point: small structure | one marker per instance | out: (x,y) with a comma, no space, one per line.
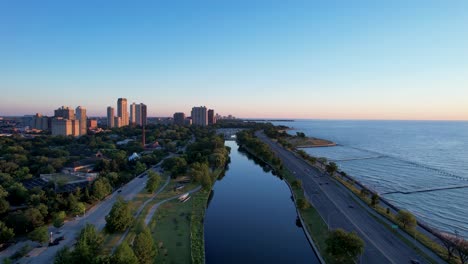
(134,156)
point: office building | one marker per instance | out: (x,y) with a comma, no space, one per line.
(211,117)
(122,111)
(82,120)
(118,121)
(179,118)
(38,121)
(110,117)
(199,116)
(65,112)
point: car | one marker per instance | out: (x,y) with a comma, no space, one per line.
(60,238)
(54,243)
(414,261)
(120,190)
(351,206)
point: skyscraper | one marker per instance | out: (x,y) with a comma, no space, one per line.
(110,117)
(211,117)
(179,118)
(133,114)
(199,116)
(82,118)
(142,114)
(65,112)
(122,111)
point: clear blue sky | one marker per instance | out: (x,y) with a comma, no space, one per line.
(298,59)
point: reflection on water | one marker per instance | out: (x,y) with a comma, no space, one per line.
(252,218)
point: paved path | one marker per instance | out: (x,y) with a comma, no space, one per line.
(95,216)
(141,209)
(153,209)
(336,206)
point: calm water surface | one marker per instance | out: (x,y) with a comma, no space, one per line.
(393,156)
(252,219)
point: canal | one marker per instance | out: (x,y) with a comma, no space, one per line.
(252,219)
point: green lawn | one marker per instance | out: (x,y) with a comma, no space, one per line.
(171,232)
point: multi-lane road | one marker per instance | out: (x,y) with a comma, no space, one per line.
(338,208)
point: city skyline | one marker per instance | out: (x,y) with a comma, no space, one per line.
(310,60)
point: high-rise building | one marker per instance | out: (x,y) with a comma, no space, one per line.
(133,114)
(82,120)
(118,121)
(65,127)
(65,112)
(92,123)
(179,118)
(122,110)
(211,117)
(141,114)
(199,116)
(40,122)
(110,117)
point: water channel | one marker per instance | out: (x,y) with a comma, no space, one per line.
(252,219)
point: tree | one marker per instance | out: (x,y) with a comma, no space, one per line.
(375,199)
(206,182)
(331,168)
(344,247)
(59,218)
(4,205)
(139,168)
(120,217)
(302,203)
(461,247)
(199,170)
(124,255)
(406,218)
(143,247)
(34,218)
(153,181)
(101,188)
(297,184)
(64,256)
(6,233)
(39,234)
(88,245)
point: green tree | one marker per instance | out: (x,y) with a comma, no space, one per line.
(199,170)
(344,247)
(6,233)
(34,218)
(4,205)
(39,234)
(302,203)
(375,199)
(331,168)
(88,245)
(143,247)
(101,188)
(64,256)
(153,181)
(206,182)
(59,218)
(120,217)
(297,184)
(124,255)
(407,219)
(139,168)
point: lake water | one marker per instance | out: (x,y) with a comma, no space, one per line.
(252,219)
(390,156)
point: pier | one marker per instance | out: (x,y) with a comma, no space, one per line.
(429,189)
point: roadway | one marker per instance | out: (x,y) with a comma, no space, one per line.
(96,216)
(336,206)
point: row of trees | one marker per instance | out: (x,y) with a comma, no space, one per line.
(247,139)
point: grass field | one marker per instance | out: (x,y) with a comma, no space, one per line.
(170,229)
